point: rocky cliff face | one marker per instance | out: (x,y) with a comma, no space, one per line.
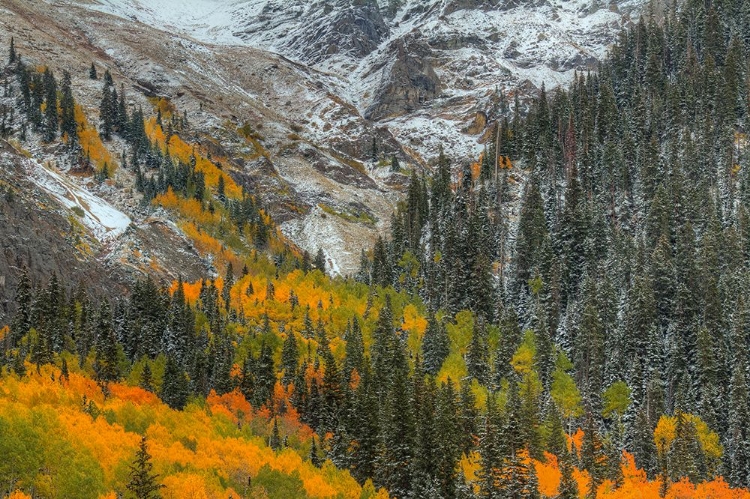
(321,30)
(407,82)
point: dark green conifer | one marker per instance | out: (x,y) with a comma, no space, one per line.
(174,386)
(12,52)
(143,482)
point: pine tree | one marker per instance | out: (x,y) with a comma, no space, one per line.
(532,230)
(106,362)
(220,190)
(320,260)
(226,290)
(22,320)
(174,386)
(314,456)
(354,358)
(684,452)
(737,457)
(477,358)
(490,453)
(50,109)
(68,125)
(448,430)
(147,382)
(568,486)
(289,358)
(64,372)
(394,463)
(363,427)
(92,72)
(12,53)
(274,441)
(435,345)
(143,482)
(106,110)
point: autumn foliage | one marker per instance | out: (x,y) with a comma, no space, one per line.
(91,143)
(635,484)
(67,439)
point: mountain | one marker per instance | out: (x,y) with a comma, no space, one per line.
(230,267)
(408,63)
(342,87)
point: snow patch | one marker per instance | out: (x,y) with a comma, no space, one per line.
(104,221)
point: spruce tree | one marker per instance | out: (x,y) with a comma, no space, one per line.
(737,456)
(64,372)
(174,386)
(314,456)
(274,440)
(220,190)
(106,362)
(568,486)
(289,358)
(106,110)
(354,358)
(477,358)
(435,345)
(22,320)
(320,260)
(50,109)
(12,52)
(143,482)
(146,381)
(68,125)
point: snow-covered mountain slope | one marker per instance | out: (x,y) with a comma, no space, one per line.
(295,93)
(105,221)
(423,68)
(285,132)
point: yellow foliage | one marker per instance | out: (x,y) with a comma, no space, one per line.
(504,162)
(548,475)
(17,494)
(523,359)
(583,480)
(91,143)
(470,466)
(190,208)
(575,441)
(664,433)
(196,452)
(181,150)
(666,429)
(414,324)
(187,486)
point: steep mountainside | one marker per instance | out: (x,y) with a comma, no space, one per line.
(423,68)
(354,85)
(311,102)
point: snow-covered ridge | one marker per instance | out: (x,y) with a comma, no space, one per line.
(519,36)
(475,47)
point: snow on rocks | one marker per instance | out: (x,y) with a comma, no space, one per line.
(105,221)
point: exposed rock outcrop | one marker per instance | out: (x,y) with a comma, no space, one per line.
(454,5)
(408,82)
(328,28)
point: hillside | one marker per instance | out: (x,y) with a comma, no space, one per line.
(336,102)
(420,68)
(203,295)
